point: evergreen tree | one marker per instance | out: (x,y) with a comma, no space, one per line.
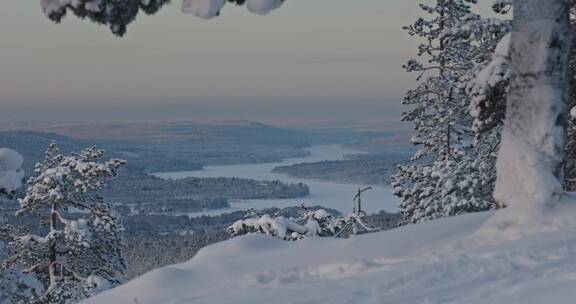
(80,254)
(117,15)
(453,171)
(436,116)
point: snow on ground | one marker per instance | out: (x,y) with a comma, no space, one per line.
(465,259)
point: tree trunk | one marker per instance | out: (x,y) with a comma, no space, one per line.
(570,162)
(530,163)
(52,248)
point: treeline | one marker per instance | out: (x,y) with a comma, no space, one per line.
(144,253)
(212,145)
(158,224)
(360,171)
(140,193)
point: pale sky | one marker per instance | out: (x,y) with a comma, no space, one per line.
(309,60)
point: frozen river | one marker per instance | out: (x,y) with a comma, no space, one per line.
(328,194)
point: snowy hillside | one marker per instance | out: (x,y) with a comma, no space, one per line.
(463,259)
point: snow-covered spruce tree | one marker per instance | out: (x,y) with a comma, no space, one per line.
(453,171)
(444,188)
(435,112)
(530,161)
(433,103)
(80,254)
(488,90)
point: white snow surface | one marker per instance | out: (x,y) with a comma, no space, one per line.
(464,259)
(205,9)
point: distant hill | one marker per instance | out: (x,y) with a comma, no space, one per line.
(174,146)
(205,146)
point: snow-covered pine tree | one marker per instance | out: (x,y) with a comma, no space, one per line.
(107,232)
(453,172)
(435,112)
(444,188)
(487,90)
(433,102)
(530,161)
(80,253)
(117,15)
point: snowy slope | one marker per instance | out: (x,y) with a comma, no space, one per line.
(462,259)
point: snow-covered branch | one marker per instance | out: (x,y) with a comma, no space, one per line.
(312,223)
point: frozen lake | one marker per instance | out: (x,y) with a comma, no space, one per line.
(328,194)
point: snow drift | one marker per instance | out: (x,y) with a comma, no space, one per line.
(463,259)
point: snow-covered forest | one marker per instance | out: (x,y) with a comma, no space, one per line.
(486,209)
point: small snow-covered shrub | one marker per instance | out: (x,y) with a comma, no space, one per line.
(311,223)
